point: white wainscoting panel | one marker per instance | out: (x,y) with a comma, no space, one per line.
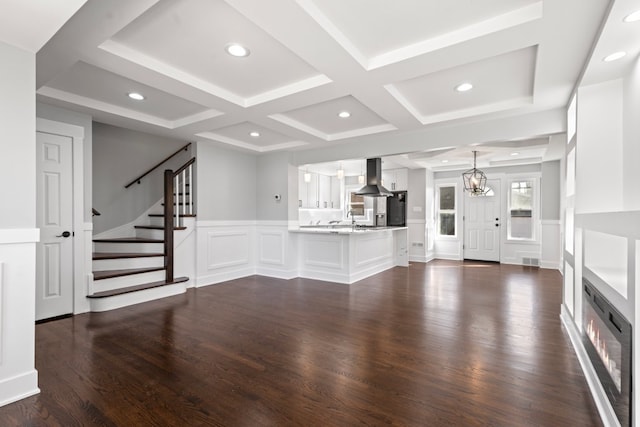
(1,311)
(272,246)
(276,252)
(18,377)
(417,243)
(551,244)
(325,251)
(225,251)
(373,248)
(227,248)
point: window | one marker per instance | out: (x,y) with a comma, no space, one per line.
(447,211)
(521,204)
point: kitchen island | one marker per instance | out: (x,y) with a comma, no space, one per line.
(346,254)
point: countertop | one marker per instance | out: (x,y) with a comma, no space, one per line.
(341,229)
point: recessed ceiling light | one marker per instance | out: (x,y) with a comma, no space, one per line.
(135,95)
(515,153)
(254,134)
(614,56)
(344,114)
(237,50)
(463,87)
(633,17)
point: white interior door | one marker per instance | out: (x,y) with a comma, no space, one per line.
(54,258)
(482,224)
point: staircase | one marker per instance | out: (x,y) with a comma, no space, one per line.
(131,270)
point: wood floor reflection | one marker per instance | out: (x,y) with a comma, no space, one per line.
(438,344)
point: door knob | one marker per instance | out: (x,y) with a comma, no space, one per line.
(65,234)
(497,225)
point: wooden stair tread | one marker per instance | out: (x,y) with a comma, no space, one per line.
(156,227)
(128,240)
(108,274)
(135,288)
(118,255)
(181,215)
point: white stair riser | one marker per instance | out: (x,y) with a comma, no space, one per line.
(124,281)
(128,247)
(117,301)
(156,221)
(146,233)
(184,221)
(125,263)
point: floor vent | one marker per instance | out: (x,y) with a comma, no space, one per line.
(534,262)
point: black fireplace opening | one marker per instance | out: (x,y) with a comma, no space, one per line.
(606,335)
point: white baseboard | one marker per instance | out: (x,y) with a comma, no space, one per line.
(375,269)
(18,387)
(212,279)
(276,273)
(607,414)
(552,265)
(451,257)
(423,259)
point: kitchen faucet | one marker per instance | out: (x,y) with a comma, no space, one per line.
(353,219)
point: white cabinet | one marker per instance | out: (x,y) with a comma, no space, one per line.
(324,191)
(302,190)
(395,179)
(334,201)
(307,191)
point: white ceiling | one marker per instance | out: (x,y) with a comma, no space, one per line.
(29,24)
(392,65)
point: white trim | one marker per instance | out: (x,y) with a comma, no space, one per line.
(19,235)
(19,387)
(424,259)
(550,222)
(81,252)
(125,300)
(552,265)
(246,223)
(416,221)
(224,276)
(607,414)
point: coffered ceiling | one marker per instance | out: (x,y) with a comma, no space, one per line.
(393,66)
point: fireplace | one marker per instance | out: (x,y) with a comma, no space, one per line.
(606,335)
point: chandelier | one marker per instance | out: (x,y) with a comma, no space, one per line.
(475,181)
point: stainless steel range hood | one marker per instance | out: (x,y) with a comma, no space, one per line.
(374,180)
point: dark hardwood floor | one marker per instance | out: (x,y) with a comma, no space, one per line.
(438,344)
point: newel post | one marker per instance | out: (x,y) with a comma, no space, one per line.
(168,224)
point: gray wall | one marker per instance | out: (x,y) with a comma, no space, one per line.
(273,178)
(120,155)
(416,193)
(226,186)
(17,138)
(550,191)
(58,114)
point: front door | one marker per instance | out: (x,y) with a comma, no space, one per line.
(54,257)
(482,224)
